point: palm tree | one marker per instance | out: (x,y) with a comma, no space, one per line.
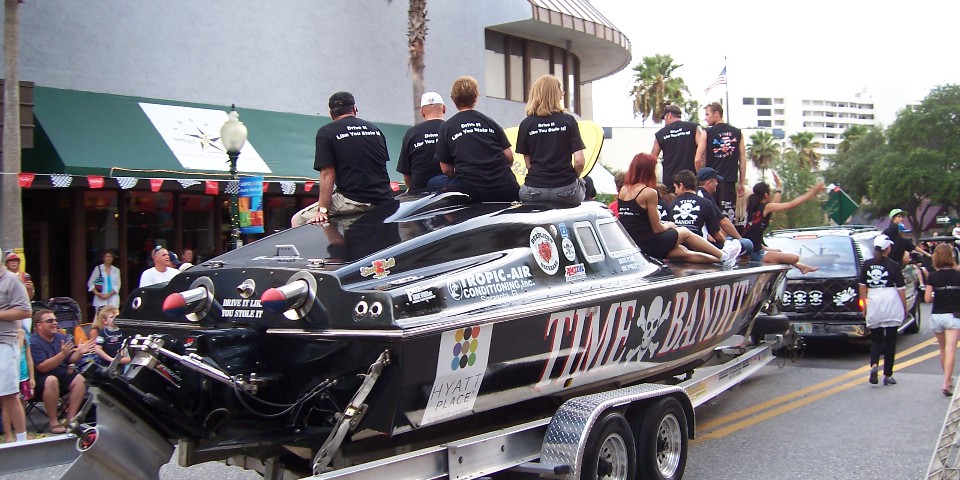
(416,38)
(806,148)
(655,87)
(11,213)
(851,135)
(763,151)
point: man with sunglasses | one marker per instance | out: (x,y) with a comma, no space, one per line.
(54,359)
(161,271)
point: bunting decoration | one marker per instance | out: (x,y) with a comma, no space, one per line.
(95,181)
(25,179)
(211,187)
(126,183)
(265,185)
(61,180)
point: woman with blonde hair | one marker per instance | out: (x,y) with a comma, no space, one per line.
(473,149)
(943,289)
(547,138)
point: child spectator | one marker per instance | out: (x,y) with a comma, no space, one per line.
(109,338)
(27,381)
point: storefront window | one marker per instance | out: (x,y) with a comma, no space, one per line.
(100,225)
(513,64)
(149,223)
(196,213)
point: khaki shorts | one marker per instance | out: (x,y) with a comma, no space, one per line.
(339,205)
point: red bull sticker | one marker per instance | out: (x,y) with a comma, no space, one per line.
(379,268)
(461,364)
(544,250)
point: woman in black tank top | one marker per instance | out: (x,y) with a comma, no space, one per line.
(760,207)
(637,203)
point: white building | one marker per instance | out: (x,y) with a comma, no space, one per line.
(825,116)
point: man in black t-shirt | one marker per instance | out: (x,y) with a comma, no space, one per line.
(725,153)
(901,246)
(682,144)
(700,216)
(352,155)
(707,179)
(418,163)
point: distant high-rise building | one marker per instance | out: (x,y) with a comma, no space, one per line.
(825,116)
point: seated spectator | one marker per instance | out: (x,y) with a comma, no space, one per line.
(108,337)
(618,181)
(54,358)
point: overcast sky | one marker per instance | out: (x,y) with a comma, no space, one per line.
(897,50)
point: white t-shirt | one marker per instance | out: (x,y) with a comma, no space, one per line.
(151,276)
(956,231)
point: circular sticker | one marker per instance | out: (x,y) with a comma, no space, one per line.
(568,250)
(544,250)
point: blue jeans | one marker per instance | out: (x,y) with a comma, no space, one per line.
(571,194)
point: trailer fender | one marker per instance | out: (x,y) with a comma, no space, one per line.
(568,435)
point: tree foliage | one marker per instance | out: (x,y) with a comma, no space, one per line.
(806,149)
(763,151)
(853,168)
(851,135)
(655,87)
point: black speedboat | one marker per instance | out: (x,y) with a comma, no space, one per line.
(426,316)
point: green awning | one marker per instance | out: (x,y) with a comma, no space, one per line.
(86,133)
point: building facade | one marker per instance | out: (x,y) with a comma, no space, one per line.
(121,90)
(825,116)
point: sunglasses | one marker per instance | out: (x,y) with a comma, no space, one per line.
(51,320)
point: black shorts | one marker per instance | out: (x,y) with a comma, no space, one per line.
(661,244)
(726,198)
(65,380)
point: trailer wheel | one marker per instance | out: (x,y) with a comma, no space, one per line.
(610,452)
(662,441)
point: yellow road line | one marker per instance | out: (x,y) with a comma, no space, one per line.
(804,391)
(722,432)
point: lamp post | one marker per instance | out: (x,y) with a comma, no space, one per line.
(233,135)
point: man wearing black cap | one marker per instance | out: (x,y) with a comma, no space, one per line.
(726,154)
(708,180)
(682,144)
(352,155)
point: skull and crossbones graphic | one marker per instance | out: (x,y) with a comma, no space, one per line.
(649,321)
(876,276)
(685,210)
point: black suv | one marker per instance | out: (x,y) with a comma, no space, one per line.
(826,303)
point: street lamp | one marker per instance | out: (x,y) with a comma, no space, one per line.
(233,135)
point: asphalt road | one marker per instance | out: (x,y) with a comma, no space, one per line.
(814,418)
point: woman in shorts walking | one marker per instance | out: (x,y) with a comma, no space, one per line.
(943,289)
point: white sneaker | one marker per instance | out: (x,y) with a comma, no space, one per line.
(731,250)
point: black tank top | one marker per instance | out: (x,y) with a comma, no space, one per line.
(634,217)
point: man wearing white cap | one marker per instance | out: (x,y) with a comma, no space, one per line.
(420,169)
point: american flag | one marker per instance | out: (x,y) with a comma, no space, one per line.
(721,80)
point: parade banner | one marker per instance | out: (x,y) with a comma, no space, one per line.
(251,204)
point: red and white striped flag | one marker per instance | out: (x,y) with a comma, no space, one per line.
(721,80)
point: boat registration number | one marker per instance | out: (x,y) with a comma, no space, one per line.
(802,328)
